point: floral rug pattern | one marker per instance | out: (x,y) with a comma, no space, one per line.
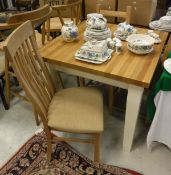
(31,160)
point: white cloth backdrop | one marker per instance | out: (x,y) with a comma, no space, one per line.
(160,129)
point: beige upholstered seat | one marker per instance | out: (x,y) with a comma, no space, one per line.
(74,110)
(83,105)
(55,24)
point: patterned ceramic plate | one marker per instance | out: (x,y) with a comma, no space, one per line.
(167,65)
(156,25)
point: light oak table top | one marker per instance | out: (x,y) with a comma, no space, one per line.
(126,67)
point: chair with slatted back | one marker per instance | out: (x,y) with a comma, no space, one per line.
(63,10)
(28,4)
(37,17)
(114,14)
(72,110)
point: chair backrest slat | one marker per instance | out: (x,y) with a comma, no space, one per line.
(55,2)
(36,16)
(30,68)
(118,14)
(72,8)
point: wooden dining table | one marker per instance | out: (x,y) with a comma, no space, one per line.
(125,70)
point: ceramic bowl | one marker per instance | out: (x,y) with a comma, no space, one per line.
(140,43)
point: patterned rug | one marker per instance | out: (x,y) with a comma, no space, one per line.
(31,160)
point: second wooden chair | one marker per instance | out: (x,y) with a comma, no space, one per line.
(114,14)
(63,11)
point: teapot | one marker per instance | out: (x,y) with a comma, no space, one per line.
(124,30)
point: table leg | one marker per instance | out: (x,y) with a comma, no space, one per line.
(132,111)
(57,80)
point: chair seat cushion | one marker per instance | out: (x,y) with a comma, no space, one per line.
(78,110)
(55,24)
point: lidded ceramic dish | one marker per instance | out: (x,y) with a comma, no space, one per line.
(140,43)
(96,21)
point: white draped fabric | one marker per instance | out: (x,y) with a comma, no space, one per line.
(160,130)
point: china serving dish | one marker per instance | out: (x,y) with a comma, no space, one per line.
(139,52)
(140,43)
(124,30)
(154,35)
(94,52)
(94,57)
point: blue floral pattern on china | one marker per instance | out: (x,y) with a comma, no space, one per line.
(69,31)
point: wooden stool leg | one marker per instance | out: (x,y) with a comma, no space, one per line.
(97,148)
(110,98)
(7,81)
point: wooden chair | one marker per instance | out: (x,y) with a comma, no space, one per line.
(37,17)
(115,14)
(28,4)
(63,10)
(73,110)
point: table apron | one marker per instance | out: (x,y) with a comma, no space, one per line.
(90,76)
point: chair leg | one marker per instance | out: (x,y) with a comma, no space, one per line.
(110,98)
(49,145)
(7,82)
(3,98)
(36,116)
(43,33)
(60,80)
(97,148)
(80,81)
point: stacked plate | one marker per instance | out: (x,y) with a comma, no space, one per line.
(164,24)
(97,34)
(95,52)
(96,28)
